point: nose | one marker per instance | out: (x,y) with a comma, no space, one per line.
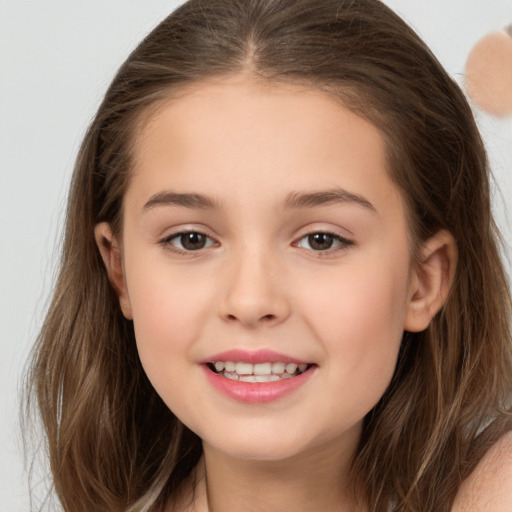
(254,293)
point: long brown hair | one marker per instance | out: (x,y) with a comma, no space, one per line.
(113,445)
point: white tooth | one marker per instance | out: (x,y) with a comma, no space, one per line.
(263,378)
(262,369)
(291,368)
(286,376)
(244,368)
(278,367)
(219,366)
(232,376)
(230,366)
(247,378)
(273,378)
(302,367)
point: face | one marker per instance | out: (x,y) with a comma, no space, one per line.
(263,240)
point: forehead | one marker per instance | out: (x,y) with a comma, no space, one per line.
(260,137)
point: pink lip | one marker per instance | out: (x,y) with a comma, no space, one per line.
(255,392)
(254,357)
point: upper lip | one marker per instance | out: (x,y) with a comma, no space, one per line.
(252,356)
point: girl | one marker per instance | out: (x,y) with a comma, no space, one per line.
(280,284)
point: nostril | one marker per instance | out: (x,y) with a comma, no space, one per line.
(265,318)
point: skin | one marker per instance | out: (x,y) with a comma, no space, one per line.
(259,283)
(489,487)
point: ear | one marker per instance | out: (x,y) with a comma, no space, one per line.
(112,258)
(431,280)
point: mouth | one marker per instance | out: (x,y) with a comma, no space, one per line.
(258,372)
(258,376)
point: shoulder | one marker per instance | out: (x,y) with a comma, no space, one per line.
(489,487)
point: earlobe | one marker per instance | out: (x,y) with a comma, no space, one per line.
(431,280)
(111,255)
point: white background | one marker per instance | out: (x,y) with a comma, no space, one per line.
(56,59)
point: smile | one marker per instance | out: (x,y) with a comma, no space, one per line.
(256,377)
(259,372)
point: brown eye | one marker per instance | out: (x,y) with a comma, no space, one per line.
(323,242)
(320,241)
(192,241)
(188,241)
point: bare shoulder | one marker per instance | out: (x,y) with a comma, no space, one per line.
(489,487)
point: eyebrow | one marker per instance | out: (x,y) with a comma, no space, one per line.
(297,200)
(170,198)
(294,200)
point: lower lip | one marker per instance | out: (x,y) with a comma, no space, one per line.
(256,392)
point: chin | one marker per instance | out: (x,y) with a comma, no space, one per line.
(278,444)
(258,451)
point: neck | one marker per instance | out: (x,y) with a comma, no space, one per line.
(303,483)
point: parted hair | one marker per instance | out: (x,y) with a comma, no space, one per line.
(113,445)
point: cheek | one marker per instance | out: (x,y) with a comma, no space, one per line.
(360,322)
(169,312)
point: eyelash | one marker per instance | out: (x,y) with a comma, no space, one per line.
(343,243)
(168,245)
